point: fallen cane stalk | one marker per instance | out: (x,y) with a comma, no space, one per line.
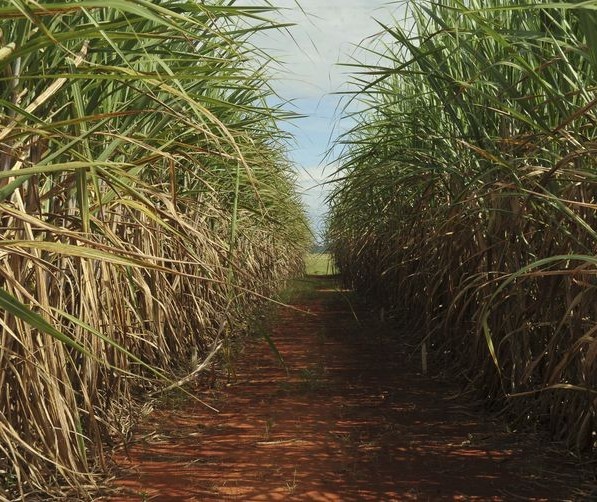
(191,375)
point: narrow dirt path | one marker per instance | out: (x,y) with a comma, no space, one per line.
(354,420)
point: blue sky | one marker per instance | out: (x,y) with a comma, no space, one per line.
(326,33)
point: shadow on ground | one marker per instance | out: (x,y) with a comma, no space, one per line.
(353,420)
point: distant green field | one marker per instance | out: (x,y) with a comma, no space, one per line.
(319,264)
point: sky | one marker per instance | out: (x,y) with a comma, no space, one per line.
(326,34)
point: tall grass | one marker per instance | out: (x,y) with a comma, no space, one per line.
(146,207)
(475,153)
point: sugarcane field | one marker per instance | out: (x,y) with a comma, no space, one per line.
(265,250)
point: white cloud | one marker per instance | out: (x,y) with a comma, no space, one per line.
(326,33)
(308,176)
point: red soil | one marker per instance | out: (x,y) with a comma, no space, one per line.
(353,421)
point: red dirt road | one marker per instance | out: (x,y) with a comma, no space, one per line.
(354,420)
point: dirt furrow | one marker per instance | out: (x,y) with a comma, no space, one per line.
(352,420)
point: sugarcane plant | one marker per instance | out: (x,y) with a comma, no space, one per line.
(146,207)
(473,147)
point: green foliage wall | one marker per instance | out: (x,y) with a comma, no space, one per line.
(467,200)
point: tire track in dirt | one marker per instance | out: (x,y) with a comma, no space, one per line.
(353,420)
